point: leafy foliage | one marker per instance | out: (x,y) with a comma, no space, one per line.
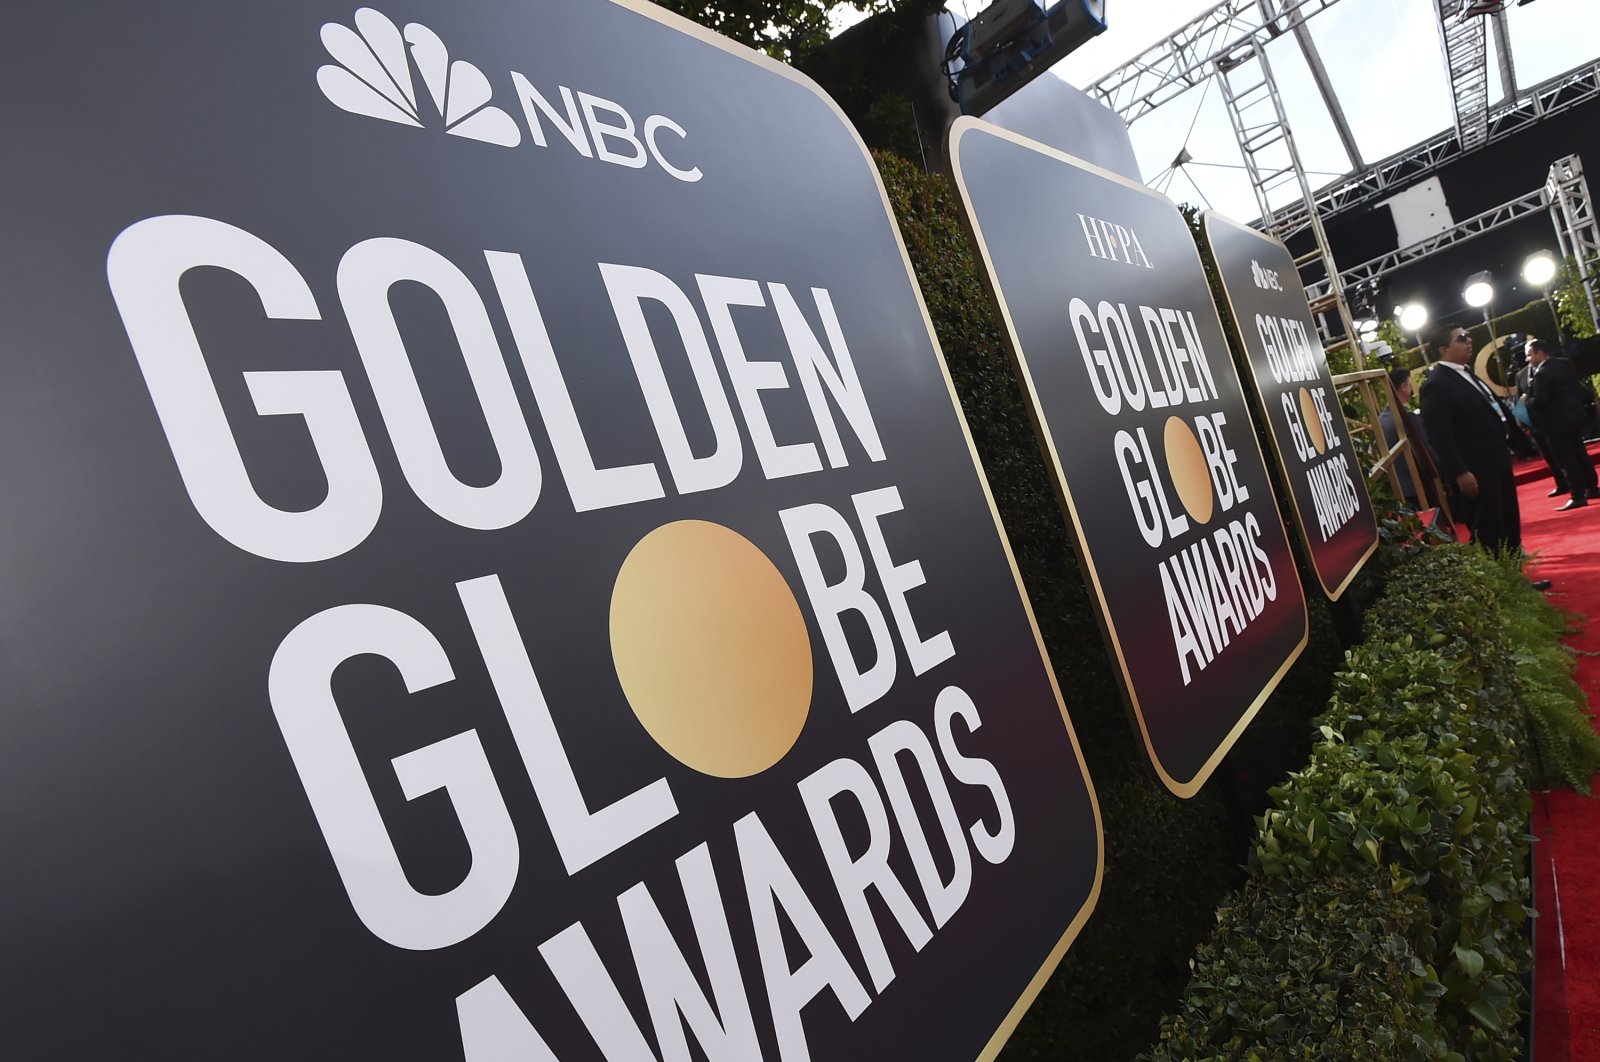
(1566,749)
(787,30)
(1419,783)
(1168,862)
(1571,304)
(790,31)
(1340,957)
(1389,332)
(1383,912)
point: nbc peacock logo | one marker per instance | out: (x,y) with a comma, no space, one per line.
(371,76)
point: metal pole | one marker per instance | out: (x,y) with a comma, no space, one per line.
(1500,352)
(1555,315)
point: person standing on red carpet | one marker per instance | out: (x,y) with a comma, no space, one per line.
(1427,497)
(1555,406)
(1558,475)
(1468,428)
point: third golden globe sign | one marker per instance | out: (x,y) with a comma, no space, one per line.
(1141,414)
(1297,400)
(493,568)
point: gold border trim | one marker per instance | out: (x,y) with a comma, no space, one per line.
(1334,593)
(1053,959)
(1184,788)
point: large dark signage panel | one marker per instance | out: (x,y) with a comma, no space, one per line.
(493,566)
(1297,399)
(1139,409)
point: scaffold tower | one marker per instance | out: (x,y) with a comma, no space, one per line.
(1576,227)
(1272,162)
(1229,42)
(1564,195)
(1466,50)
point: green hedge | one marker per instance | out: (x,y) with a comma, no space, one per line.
(1366,926)
(1168,862)
(1394,866)
(1566,748)
(1339,958)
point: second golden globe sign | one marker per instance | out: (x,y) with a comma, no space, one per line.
(1297,400)
(1141,413)
(493,566)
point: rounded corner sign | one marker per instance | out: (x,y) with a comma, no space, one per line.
(1297,399)
(1139,409)
(494,568)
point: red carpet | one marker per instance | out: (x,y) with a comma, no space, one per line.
(1567,857)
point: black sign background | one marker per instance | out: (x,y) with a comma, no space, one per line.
(168,892)
(1236,247)
(1024,202)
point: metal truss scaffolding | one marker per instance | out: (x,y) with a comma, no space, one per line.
(1576,228)
(1185,60)
(1272,162)
(1565,196)
(1466,52)
(1533,106)
(1229,41)
(1488,221)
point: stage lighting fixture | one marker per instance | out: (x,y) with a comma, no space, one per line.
(1011,42)
(1470,8)
(1479,291)
(1413,315)
(1363,300)
(1539,269)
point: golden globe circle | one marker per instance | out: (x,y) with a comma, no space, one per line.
(711,648)
(1313,423)
(1186,466)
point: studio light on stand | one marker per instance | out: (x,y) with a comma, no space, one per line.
(1479,294)
(1412,317)
(1362,299)
(1367,332)
(1538,271)
(1011,42)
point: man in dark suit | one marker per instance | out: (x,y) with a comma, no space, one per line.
(1555,406)
(1558,474)
(1425,497)
(1467,428)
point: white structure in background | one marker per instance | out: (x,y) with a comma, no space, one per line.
(1565,195)
(1230,42)
(1419,212)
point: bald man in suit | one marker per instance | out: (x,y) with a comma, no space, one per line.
(1555,407)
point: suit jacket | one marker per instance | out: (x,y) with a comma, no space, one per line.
(1421,453)
(1555,400)
(1463,430)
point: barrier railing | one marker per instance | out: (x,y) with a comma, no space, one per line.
(1367,383)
